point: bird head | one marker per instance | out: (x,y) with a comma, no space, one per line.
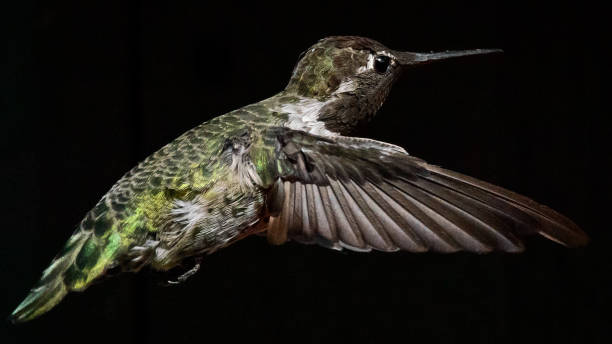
(353,76)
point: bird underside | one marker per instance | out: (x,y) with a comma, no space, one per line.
(189,266)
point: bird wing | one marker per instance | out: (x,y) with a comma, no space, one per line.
(361,194)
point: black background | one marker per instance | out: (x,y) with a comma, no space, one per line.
(91,88)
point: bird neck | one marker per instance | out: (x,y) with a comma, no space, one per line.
(336,114)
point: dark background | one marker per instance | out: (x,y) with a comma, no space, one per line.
(91,88)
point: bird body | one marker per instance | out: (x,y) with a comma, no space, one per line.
(286,167)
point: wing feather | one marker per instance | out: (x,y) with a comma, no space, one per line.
(347,226)
(326,220)
(399,229)
(362,194)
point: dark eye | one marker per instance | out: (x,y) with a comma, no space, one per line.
(381,63)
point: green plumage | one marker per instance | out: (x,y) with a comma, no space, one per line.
(139,207)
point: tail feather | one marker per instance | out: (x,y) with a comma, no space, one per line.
(51,288)
(40,299)
(84,258)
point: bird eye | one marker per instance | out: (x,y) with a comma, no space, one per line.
(381,63)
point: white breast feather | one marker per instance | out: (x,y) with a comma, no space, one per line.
(189,213)
(304,114)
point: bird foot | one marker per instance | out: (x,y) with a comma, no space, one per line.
(182,278)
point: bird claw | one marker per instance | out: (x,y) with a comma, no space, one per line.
(182,278)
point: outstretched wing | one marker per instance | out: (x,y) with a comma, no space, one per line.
(363,194)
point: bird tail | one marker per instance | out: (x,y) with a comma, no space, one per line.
(86,256)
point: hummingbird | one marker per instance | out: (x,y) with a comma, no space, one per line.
(287,168)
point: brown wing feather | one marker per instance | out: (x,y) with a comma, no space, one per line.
(364,194)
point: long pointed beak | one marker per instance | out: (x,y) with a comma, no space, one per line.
(412,59)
